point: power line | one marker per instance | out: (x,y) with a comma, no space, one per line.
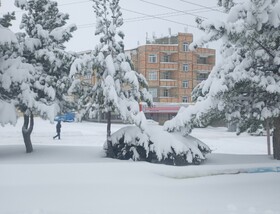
(156,17)
(170,14)
(78,2)
(202,6)
(61,5)
(180,11)
(144,18)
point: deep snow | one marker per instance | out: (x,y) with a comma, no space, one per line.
(72,175)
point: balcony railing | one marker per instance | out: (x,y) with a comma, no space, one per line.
(168,66)
(168,99)
(168,83)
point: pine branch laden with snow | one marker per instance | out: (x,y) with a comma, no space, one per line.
(245,86)
(43,47)
(15,78)
(5,21)
(157,146)
(118,87)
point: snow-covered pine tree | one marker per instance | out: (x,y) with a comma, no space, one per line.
(246,84)
(118,88)
(81,87)
(15,77)
(43,47)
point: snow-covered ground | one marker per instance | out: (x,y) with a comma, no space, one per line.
(72,176)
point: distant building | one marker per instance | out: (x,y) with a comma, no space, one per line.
(172,72)
(171,69)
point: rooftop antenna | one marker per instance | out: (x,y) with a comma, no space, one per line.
(169,31)
(146,37)
(186,29)
(154,36)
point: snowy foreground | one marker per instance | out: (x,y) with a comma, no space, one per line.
(72,176)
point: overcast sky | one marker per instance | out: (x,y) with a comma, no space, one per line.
(142,18)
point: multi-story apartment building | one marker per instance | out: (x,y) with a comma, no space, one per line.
(171,69)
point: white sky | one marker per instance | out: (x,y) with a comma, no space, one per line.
(140,19)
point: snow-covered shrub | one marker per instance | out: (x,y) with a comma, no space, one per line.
(157,146)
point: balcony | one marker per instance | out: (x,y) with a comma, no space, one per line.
(168,83)
(168,99)
(168,93)
(168,66)
(169,49)
(203,67)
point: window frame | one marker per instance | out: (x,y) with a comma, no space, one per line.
(202,60)
(152,58)
(185,84)
(185,67)
(185,99)
(165,92)
(152,74)
(153,91)
(166,58)
(185,46)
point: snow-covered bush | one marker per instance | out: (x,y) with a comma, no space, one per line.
(160,147)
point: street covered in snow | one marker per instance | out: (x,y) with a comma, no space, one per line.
(72,175)
(40,78)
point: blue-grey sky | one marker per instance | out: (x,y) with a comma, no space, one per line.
(142,18)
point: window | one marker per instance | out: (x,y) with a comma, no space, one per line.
(166,75)
(184,99)
(185,83)
(165,92)
(166,58)
(202,76)
(152,75)
(201,60)
(153,92)
(152,58)
(185,46)
(185,67)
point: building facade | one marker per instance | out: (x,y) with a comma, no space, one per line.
(171,69)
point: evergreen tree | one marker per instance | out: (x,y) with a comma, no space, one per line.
(42,45)
(118,88)
(15,78)
(81,88)
(246,85)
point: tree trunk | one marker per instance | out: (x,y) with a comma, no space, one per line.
(26,131)
(110,152)
(276,139)
(268,137)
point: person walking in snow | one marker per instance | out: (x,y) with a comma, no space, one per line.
(58,129)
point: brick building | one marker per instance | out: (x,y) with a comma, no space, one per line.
(171,69)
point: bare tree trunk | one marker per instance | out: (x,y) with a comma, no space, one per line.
(26,131)
(276,139)
(110,152)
